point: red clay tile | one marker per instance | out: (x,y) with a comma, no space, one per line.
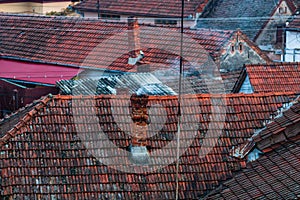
(48,151)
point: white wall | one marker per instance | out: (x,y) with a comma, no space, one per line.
(145,20)
(292,46)
(31,7)
(246,87)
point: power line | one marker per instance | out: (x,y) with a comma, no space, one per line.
(116,30)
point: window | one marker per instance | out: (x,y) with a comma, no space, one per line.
(240,47)
(110,17)
(283,10)
(165,21)
(232,48)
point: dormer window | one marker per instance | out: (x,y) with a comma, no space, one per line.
(254,155)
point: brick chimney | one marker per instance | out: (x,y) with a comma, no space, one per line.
(134,46)
(133,37)
(140,118)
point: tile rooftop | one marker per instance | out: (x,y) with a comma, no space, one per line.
(276,77)
(79,42)
(153,8)
(90,43)
(44,155)
(275,174)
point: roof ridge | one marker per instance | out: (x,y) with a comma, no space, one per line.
(253,45)
(262,94)
(272,64)
(38,104)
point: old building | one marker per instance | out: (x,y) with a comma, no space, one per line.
(262,21)
(292,41)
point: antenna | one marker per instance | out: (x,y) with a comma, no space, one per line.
(179,99)
(98,9)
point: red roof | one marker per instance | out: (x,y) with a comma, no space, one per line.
(35,72)
(153,8)
(276,77)
(276,174)
(51,159)
(92,43)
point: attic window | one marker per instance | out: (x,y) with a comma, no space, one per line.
(254,155)
(110,17)
(240,47)
(232,48)
(283,10)
(165,21)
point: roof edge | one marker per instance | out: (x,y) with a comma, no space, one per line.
(41,103)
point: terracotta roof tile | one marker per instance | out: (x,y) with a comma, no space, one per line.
(276,173)
(75,41)
(52,160)
(153,8)
(276,77)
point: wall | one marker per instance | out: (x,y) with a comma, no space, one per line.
(246,86)
(22,7)
(292,46)
(145,20)
(32,7)
(57,6)
(14,96)
(234,60)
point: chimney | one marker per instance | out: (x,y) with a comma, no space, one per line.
(140,118)
(134,46)
(133,37)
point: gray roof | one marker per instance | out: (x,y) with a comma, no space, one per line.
(163,82)
(247,15)
(140,83)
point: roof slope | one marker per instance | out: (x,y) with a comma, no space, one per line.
(46,146)
(153,8)
(92,43)
(247,15)
(275,175)
(276,77)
